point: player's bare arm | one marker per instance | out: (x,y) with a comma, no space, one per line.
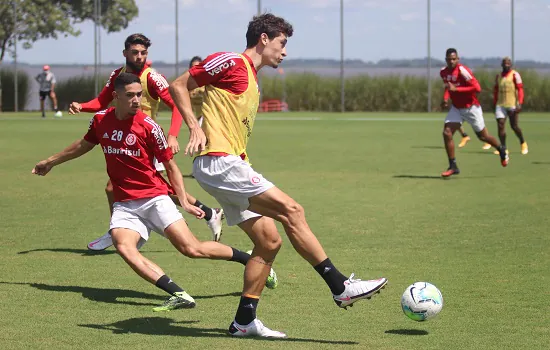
(75,150)
(179,90)
(176,180)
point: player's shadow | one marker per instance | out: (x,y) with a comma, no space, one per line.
(407,331)
(540,163)
(428,147)
(83,252)
(114,296)
(406,176)
(168,326)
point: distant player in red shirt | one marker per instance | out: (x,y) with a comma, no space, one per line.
(130,140)
(462,87)
(155,89)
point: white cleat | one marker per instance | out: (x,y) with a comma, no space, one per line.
(357,289)
(254,329)
(102,242)
(215,224)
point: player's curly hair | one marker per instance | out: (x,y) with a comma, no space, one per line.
(267,23)
(124,79)
(194,59)
(137,39)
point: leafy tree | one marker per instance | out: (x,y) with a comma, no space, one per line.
(42,19)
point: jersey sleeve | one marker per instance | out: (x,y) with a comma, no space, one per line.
(216,67)
(158,88)
(470,79)
(519,86)
(495,91)
(157,141)
(105,96)
(91,135)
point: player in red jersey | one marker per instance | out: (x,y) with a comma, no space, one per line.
(155,88)
(249,200)
(130,140)
(462,87)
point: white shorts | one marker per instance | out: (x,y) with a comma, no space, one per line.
(503,112)
(473,115)
(231,181)
(145,215)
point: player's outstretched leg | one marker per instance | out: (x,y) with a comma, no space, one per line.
(448,132)
(484,135)
(281,207)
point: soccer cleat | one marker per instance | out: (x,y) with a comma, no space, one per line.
(181,300)
(272,281)
(524,148)
(357,289)
(486,146)
(504,159)
(450,171)
(215,224)
(497,152)
(102,242)
(464,141)
(58,114)
(254,329)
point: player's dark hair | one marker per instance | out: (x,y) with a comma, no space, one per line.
(451,51)
(267,23)
(124,79)
(137,39)
(194,59)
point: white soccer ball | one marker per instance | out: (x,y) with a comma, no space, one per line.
(58,114)
(421,301)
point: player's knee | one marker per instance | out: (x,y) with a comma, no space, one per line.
(126,251)
(193,251)
(447,133)
(271,243)
(294,211)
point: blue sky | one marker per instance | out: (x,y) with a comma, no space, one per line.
(374,30)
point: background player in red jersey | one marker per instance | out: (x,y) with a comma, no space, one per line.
(130,140)
(155,87)
(462,87)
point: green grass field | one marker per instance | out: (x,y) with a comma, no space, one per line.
(372,193)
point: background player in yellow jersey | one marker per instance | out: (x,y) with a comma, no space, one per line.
(508,96)
(155,89)
(249,200)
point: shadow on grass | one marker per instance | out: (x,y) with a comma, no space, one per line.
(83,252)
(417,177)
(429,147)
(167,326)
(407,331)
(539,163)
(114,296)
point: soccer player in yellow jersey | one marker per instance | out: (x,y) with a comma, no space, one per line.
(248,199)
(508,96)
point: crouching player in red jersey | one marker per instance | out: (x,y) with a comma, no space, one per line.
(130,140)
(462,87)
(155,89)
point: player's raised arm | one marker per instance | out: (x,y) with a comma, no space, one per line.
(75,150)
(100,102)
(179,90)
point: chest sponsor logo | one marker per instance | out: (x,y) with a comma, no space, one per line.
(131,139)
(221,67)
(122,151)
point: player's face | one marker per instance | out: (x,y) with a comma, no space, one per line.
(136,56)
(129,98)
(452,60)
(506,65)
(274,50)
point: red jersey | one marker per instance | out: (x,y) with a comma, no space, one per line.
(224,70)
(157,87)
(466,83)
(129,147)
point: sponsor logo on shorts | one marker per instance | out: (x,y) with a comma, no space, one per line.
(131,139)
(255,180)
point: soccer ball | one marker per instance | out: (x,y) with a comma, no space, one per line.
(421,301)
(58,114)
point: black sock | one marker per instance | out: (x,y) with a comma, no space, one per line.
(246,312)
(464,135)
(207,210)
(521,140)
(333,278)
(166,284)
(239,256)
(452,163)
